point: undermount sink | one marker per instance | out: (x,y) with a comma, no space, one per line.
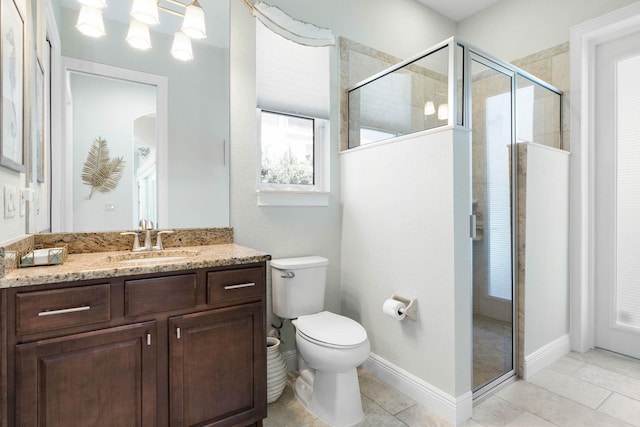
(153,256)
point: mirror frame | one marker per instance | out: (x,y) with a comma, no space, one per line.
(62,194)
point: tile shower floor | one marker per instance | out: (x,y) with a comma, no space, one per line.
(596,388)
(492,349)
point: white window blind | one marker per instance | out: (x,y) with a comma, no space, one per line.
(386,104)
(291,78)
(627,296)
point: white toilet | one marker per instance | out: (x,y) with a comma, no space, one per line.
(330,346)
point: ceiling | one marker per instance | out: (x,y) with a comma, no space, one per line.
(118,10)
(457,10)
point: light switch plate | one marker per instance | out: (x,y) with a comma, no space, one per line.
(10,201)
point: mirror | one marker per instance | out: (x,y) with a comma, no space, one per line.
(128,137)
(191,167)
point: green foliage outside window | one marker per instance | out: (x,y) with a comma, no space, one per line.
(287,170)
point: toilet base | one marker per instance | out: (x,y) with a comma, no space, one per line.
(332,397)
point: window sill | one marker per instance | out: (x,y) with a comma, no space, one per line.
(292,198)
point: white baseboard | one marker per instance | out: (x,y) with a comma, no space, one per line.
(454,410)
(546,355)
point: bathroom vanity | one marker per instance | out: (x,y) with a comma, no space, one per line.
(104,340)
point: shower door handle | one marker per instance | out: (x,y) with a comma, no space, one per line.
(472,226)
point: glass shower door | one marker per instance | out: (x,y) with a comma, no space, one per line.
(493,295)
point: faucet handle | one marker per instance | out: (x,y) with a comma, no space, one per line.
(159,234)
(136,240)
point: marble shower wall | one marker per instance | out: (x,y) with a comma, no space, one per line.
(552,66)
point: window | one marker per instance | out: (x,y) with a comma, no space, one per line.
(287,150)
(293,130)
(291,158)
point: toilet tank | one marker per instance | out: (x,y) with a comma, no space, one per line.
(298,285)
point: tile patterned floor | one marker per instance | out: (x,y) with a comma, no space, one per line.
(596,388)
(491,349)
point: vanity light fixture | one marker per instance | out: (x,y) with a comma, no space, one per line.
(193,23)
(144,13)
(181,46)
(429,108)
(90,21)
(138,35)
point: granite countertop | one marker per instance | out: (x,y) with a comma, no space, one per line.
(98,265)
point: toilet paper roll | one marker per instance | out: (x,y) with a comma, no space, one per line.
(394,308)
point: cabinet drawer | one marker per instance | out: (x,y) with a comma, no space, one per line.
(231,285)
(143,296)
(62,308)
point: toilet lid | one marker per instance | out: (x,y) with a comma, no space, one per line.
(332,329)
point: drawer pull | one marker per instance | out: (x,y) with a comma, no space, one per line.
(243,285)
(64,311)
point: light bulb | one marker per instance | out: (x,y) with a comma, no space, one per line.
(181,47)
(429,108)
(90,21)
(443,112)
(193,24)
(138,36)
(145,11)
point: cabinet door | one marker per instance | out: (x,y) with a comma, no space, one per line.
(100,378)
(218,367)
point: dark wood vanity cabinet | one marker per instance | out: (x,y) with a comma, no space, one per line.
(168,349)
(215,378)
(103,378)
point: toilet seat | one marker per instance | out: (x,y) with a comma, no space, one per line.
(331,330)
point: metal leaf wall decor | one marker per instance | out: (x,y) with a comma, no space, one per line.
(99,172)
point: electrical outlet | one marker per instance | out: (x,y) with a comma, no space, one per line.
(10,201)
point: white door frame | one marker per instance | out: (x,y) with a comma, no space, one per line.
(584,39)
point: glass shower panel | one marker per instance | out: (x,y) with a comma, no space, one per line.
(491,109)
(410,99)
(537,114)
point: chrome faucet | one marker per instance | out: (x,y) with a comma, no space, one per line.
(146,226)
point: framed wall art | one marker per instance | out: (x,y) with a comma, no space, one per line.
(12,87)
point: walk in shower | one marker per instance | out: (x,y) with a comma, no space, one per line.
(503,108)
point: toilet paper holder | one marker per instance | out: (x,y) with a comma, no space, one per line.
(410,303)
